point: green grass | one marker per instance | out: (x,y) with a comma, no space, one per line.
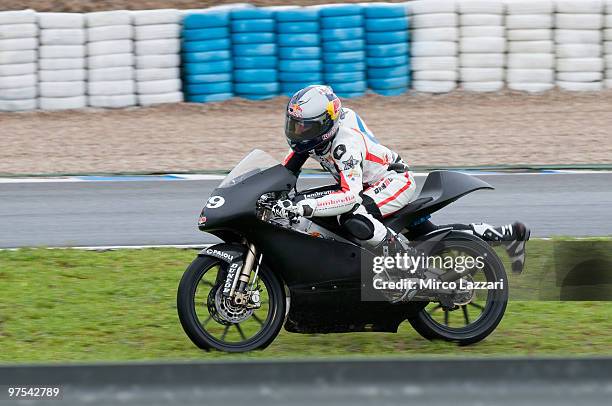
(75,306)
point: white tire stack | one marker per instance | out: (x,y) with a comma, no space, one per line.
(157,47)
(62,76)
(110,59)
(607,32)
(531,49)
(434,45)
(578,39)
(18,60)
(482,45)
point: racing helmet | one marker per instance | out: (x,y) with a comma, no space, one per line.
(312,118)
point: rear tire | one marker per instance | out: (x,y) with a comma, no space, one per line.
(492,312)
(197,331)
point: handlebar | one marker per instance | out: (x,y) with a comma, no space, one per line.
(267,202)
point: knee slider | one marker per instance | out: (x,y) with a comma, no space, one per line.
(358,226)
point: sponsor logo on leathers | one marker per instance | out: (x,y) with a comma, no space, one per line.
(339,151)
(350,163)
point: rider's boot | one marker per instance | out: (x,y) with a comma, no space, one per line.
(511,236)
(391,246)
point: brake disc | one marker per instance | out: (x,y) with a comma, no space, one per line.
(224,311)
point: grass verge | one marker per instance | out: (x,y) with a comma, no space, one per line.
(76,306)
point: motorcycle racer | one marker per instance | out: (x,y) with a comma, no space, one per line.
(373,181)
(317,126)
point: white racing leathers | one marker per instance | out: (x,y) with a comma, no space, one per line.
(360,164)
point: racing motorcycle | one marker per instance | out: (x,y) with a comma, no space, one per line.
(308,274)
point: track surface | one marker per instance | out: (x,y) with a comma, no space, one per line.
(165,212)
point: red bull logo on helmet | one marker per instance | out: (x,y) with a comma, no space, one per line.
(333,108)
(295,110)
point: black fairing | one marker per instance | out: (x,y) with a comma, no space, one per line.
(440,189)
(238,212)
(324,277)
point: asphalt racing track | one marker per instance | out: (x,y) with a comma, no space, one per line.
(130,211)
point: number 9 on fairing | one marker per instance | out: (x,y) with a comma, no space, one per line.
(215,202)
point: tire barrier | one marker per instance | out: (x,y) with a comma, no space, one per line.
(253,35)
(531,52)
(207,58)
(343,44)
(299,49)
(387,49)
(18,60)
(157,44)
(578,41)
(482,45)
(607,37)
(122,58)
(62,76)
(434,37)
(110,59)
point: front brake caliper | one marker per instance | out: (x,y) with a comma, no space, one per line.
(254,301)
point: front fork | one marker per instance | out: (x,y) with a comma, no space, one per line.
(239,292)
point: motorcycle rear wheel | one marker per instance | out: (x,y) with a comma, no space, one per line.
(491,310)
(207,329)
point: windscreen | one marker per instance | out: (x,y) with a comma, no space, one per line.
(255,162)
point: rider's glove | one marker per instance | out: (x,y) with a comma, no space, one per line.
(285,209)
(289,210)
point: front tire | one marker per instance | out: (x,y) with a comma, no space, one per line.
(203,322)
(492,307)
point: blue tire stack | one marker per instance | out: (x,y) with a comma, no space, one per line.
(255,56)
(387,49)
(344,58)
(299,52)
(206,55)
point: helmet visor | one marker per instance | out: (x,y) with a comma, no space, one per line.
(299,130)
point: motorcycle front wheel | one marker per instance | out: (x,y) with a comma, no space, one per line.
(473,316)
(212,322)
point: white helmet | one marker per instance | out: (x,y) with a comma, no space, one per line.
(312,118)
